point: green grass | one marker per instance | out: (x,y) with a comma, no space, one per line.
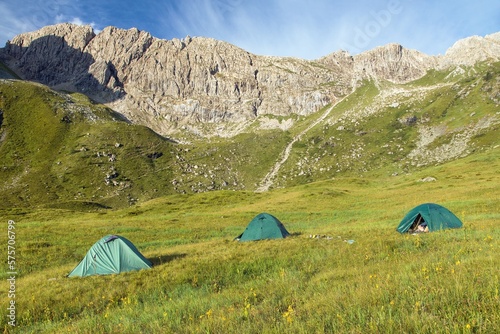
(203,281)
(237,163)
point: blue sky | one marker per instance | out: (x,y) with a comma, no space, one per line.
(304,29)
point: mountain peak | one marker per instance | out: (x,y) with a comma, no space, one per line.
(471,50)
(77,35)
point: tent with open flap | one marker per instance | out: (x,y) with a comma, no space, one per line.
(112,254)
(264,226)
(428,217)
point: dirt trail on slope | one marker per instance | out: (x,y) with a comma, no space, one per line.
(268,180)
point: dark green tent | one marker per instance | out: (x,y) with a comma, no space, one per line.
(112,254)
(433,216)
(264,226)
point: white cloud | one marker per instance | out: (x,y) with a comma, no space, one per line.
(78,21)
(75,20)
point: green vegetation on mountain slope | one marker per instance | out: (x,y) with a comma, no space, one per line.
(62,150)
(380,129)
(58,148)
(389,129)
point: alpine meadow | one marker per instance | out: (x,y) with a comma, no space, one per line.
(339,150)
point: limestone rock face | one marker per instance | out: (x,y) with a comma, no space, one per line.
(44,55)
(471,50)
(191,83)
(393,63)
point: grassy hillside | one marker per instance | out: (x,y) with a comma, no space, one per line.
(59,149)
(389,129)
(235,164)
(203,281)
(62,150)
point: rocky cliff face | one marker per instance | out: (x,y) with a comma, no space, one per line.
(471,50)
(194,83)
(393,63)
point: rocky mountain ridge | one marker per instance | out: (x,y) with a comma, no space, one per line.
(210,87)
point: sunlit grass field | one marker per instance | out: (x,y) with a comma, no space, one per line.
(358,276)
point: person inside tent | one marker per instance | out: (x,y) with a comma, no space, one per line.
(422,227)
(419,225)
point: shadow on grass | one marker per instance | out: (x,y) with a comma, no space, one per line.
(159,260)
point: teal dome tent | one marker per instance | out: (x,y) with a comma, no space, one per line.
(428,217)
(264,226)
(112,254)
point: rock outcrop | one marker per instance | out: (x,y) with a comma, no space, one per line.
(471,50)
(194,82)
(393,63)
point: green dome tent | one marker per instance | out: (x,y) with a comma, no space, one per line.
(264,226)
(112,254)
(432,216)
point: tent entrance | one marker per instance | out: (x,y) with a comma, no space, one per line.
(419,225)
